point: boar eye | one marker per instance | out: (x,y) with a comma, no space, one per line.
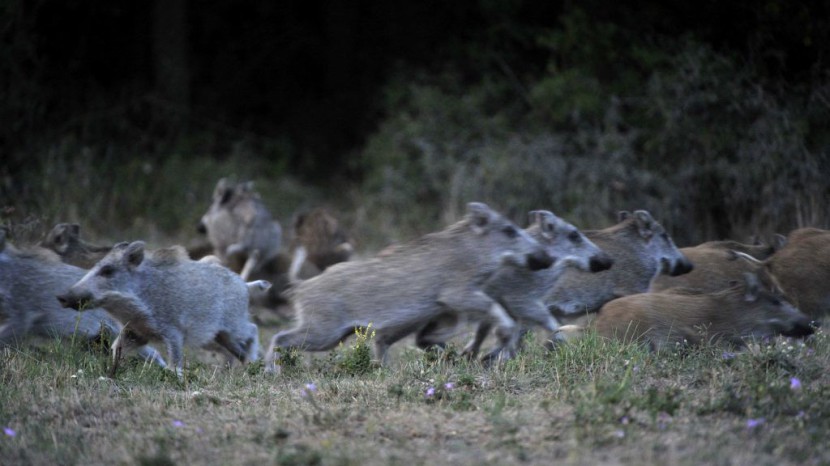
(574,236)
(510,232)
(106,271)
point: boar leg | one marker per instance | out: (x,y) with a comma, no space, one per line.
(251,264)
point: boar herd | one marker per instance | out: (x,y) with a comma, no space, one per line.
(628,281)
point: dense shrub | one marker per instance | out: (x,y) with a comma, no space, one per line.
(710,148)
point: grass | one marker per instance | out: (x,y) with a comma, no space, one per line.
(590,402)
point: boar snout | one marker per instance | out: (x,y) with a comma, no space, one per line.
(801,328)
(600,262)
(539,260)
(201,228)
(680,267)
(75,301)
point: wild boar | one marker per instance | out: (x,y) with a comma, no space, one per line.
(402,292)
(29,281)
(240,228)
(641,249)
(164,295)
(678,317)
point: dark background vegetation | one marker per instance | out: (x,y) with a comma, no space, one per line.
(122,115)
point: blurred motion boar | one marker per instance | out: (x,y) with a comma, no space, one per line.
(320,240)
(717,264)
(240,228)
(65,240)
(640,248)
(676,317)
(163,295)
(402,292)
(29,281)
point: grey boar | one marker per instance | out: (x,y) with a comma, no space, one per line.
(402,292)
(520,291)
(641,249)
(29,281)
(240,228)
(164,295)
(65,240)
(677,317)
(716,264)
(802,270)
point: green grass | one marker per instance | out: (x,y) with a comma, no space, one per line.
(588,402)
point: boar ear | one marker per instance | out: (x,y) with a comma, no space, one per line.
(480,216)
(223,191)
(778,241)
(623,215)
(75,229)
(299,220)
(645,223)
(752,287)
(547,222)
(534,216)
(134,253)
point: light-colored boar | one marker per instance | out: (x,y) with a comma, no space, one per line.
(29,281)
(678,317)
(240,228)
(716,264)
(402,292)
(802,270)
(641,249)
(520,291)
(163,295)
(65,240)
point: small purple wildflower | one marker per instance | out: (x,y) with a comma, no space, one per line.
(795,384)
(177,423)
(727,355)
(430,392)
(663,420)
(9,432)
(449,386)
(753,423)
(624,420)
(311,386)
(619,433)
(801,415)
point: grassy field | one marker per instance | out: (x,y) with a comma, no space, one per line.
(590,402)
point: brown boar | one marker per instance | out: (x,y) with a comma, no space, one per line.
(716,264)
(677,317)
(802,270)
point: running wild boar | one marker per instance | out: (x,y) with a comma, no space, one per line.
(402,292)
(164,295)
(240,228)
(678,317)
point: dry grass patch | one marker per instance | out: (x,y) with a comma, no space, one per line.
(593,402)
